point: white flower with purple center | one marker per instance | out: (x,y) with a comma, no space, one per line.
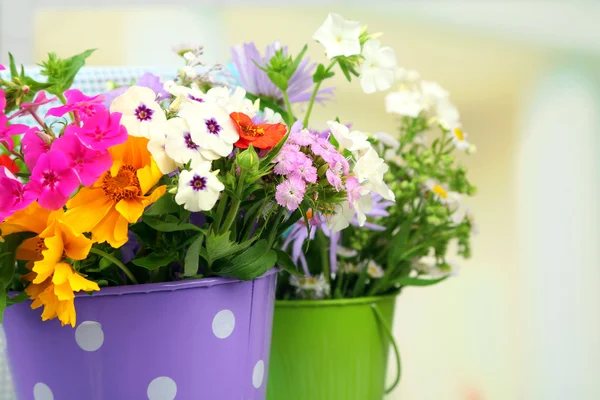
(142,115)
(193,94)
(379,68)
(199,188)
(353,141)
(181,144)
(157,147)
(290,193)
(340,37)
(211,128)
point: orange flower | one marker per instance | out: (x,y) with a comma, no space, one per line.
(119,197)
(53,281)
(260,136)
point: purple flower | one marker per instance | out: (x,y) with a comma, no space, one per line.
(256,81)
(147,80)
(300,136)
(290,193)
(322,147)
(287,159)
(353,189)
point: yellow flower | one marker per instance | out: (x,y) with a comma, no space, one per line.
(119,197)
(53,281)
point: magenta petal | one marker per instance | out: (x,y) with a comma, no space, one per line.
(88,164)
(54,179)
(102,130)
(2,67)
(33,147)
(59,111)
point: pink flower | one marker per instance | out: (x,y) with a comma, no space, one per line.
(287,159)
(33,147)
(6,130)
(100,131)
(335,179)
(290,193)
(39,100)
(354,190)
(15,196)
(53,179)
(83,106)
(302,137)
(2,67)
(306,171)
(88,164)
(324,149)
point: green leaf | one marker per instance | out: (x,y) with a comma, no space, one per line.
(278,79)
(192,257)
(169,226)
(264,163)
(13,66)
(155,260)
(359,288)
(408,281)
(291,69)
(344,68)
(219,246)
(250,264)
(61,72)
(164,205)
(321,74)
(285,261)
(3,297)
(8,251)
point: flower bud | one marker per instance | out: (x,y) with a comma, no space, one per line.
(248,159)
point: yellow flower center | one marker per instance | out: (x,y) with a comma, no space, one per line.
(440,191)
(125,185)
(458,133)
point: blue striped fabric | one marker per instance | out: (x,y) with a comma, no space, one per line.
(91,81)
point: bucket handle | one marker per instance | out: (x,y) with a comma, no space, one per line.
(390,335)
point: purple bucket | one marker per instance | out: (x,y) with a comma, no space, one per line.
(201,339)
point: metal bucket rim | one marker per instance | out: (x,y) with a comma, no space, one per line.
(336,302)
(146,288)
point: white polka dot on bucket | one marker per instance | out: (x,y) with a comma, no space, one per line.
(258,374)
(162,388)
(223,324)
(41,391)
(89,335)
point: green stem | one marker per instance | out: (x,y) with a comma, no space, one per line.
(288,107)
(116,262)
(235,204)
(313,97)
(220,212)
(323,244)
(61,97)
(275,227)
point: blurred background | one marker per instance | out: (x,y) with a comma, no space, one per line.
(521,321)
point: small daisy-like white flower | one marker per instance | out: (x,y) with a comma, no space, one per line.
(391,157)
(353,141)
(349,268)
(405,102)
(433,92)
(314,287)
(157,147)
(447,113)
(441,192)
(340,37)
(407,76)
(378,70)
(211,128)
(142,115)
(374,270)
(459,139)
(198,189)
(345,252)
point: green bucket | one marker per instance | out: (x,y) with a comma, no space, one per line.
(331,349)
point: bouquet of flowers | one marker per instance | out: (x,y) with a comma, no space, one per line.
(193,178)
(389,244)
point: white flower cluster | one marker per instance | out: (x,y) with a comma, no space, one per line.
(311,287)
(416,96)
(341,37)
(368,173)
(201,132)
